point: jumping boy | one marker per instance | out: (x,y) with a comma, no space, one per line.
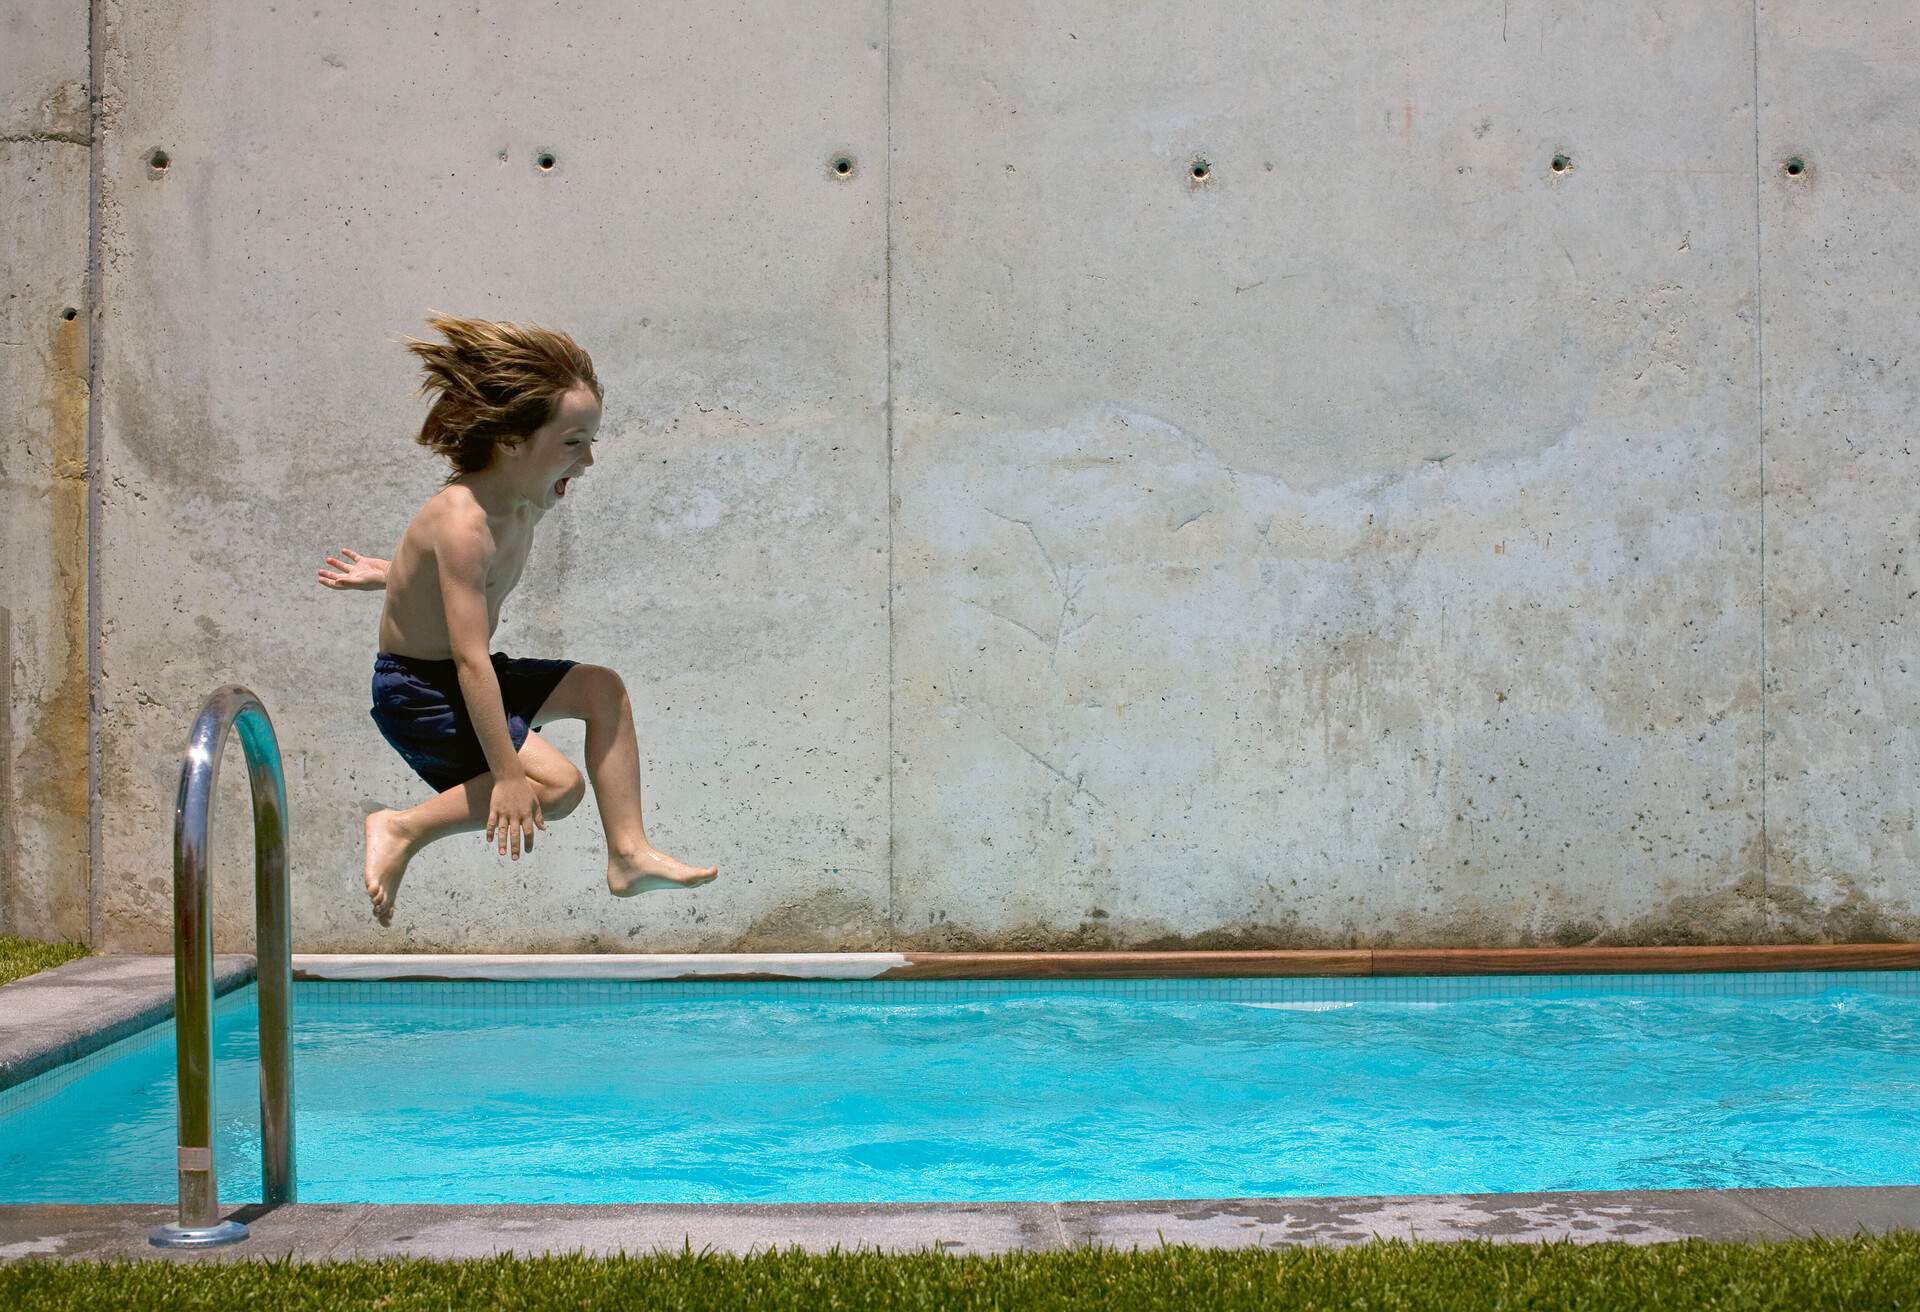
(516,414)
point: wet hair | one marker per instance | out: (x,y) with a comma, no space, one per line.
(495,383)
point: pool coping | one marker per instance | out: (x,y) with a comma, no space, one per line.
(63,1014)
(1248,964)
(319,1232)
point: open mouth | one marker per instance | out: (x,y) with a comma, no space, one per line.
(560,488)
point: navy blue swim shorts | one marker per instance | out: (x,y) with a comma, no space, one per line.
(420,711)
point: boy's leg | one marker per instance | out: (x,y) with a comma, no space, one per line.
(394,837)
(597,695)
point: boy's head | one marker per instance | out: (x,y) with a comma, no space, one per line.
(497,383)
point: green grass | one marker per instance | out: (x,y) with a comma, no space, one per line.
(1808,1275)
(20,957)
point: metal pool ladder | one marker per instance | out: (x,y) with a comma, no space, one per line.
(227,708)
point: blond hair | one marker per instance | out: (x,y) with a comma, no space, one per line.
(496,383)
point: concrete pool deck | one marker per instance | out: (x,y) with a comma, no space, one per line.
(61,1014)
(320,1232)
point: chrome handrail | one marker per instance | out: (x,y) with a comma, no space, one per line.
(231,707)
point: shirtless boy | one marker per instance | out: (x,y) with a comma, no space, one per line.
(516,413)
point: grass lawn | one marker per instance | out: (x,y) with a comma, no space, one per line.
(19,956)
(1797,1276)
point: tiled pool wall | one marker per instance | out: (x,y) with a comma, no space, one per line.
(480,995)
(317,999)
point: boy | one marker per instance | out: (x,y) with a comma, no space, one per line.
(516,414)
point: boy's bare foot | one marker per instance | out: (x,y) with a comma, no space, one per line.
(649,869)
(386,862)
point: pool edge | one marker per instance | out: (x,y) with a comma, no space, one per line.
(1337,963)
(344,1231)
(71,1011)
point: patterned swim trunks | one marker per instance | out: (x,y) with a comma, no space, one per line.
(421,713)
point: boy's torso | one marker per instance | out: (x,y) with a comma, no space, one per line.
(413,621)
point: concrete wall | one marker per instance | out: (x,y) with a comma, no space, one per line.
(45,131)
(1388,537)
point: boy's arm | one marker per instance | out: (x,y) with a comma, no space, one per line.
(462,555)
(365,573)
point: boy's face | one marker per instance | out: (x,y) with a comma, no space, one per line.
(562,448)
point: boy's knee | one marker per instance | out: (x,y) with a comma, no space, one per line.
(608,688)
(565,797)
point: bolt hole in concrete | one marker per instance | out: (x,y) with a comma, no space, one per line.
(843,167)
(158,163)
(545,161)
(1201,170)
(69,314)
(1561,163)
(1795,167)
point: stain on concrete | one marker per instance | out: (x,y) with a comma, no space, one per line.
(823,921)
(63,116)
(167,431)
(52,779)
(6,772)
(1092,936)
(1832,905)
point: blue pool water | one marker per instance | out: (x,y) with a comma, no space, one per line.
(611,1092)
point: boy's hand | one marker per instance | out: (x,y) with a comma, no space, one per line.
(514,810)
(366,572)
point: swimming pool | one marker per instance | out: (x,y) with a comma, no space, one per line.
(607,1091)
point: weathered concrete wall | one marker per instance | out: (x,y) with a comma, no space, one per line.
(45,126)
(1839,273)
(1358,544)
(1387,537)
(331,177)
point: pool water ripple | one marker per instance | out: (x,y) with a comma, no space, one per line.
(750,1093)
